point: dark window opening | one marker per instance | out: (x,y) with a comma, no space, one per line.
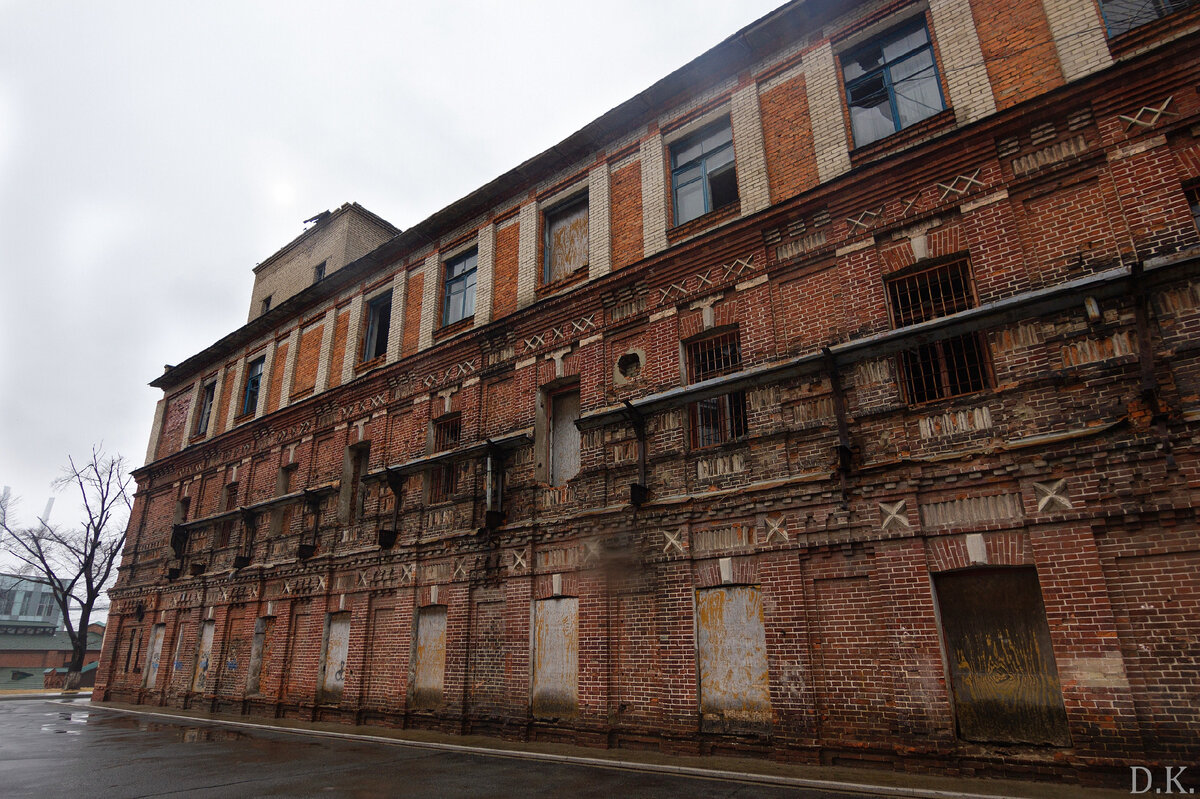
(265,305)
(208,394)
(1193,198)
(949,367)
(379,321)
(716,420)
(253,381)
(891,83)
(354,491)
(229,502)
(1122,16)
(319,272)
(566,240)
(458,290)
(703,176)
(443,478)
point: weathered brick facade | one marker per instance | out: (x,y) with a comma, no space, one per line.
(891,460)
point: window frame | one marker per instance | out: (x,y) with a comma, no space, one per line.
(554,424)
(467,277)
(252,385)
(1191,195)
(443,477)
(319,272)
(674,149)
(884,69)
(1163,9)
(561,209)
(731,420)
(208,395)
(379,318)
(972,356)
(264,305)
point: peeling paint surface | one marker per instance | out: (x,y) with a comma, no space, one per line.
(203,657)
(333,665)
(556,657)
(156,645)
(429,665)
(732,649)
(254,670)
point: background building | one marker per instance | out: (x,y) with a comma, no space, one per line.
(31,638)
(834,400)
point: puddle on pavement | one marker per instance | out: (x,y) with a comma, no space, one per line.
(62,725)
(175,731)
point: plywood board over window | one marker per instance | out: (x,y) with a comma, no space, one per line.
(556,657)
(203,657)
(1005,682)
(429,662)
(566,244)
(333,665)
(156,644)
(732,651)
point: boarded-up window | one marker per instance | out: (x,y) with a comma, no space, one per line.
(429,663)
(353,491)
(732,650)
(333,663)
(1005,683)
(556,657)
(258,653)
(203,656)
(152,661)
(566,239)
(564,436)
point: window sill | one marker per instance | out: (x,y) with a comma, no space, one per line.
(578,276)
(366,366)
(702,223)
(454,327)
(243,417)
(904,138)
(302,393)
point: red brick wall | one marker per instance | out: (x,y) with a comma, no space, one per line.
(174,420)
(275,387)
(626,191)
(504,292)
(412,314)
(1018,49)
(341,329)
(307,360)
(787,136)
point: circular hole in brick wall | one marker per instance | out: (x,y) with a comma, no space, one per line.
(630,365)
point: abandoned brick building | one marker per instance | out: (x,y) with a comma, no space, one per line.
(835,399)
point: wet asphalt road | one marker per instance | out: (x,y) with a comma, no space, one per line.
(56,749)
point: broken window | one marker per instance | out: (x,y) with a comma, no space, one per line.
(1122,16)
(1003,677)
(1193,198)
(207,395)
(319,272)
(443,478)
(951,366)
(716,420)
(458,288)
(703,177)
(566,244)
(265,305)
(891,83)
(379,320)
(253,381)
(564,435)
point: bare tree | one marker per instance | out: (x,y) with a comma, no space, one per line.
(76,563)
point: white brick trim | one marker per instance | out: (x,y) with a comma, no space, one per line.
(527,252)
(654,196)
(350,356)
(1079,36)
(213,422)
(485,263)
(825,111)
(289,368)
(396,323)
(429,296)
(962,60)
(325,362)
(749,150)
(160,411)
(264,379)
(599,222)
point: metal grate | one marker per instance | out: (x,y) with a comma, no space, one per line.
(718,419)
(932,293)
(446,433)
(443,482)
(950,367)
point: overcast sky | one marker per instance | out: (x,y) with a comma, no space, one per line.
(151,153)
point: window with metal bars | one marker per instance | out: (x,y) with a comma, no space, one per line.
(952,366)
(716,420)
(443,479)
(1193,198)
(1122,16)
